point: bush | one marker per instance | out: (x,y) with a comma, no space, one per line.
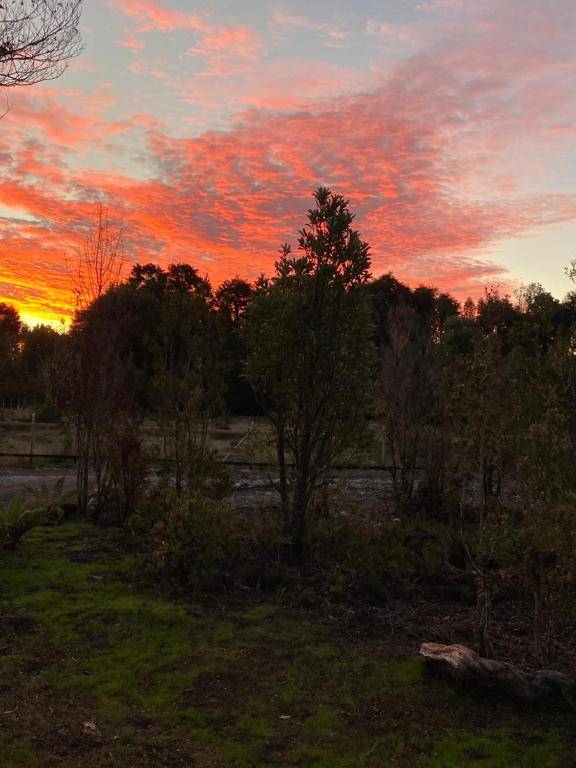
(367,558)
(18,516)
(197,543)
(127,467)
(202,545)
(16,519)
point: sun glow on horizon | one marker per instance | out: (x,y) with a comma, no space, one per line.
(32,320)
(207,133)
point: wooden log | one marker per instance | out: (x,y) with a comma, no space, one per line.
(468,669)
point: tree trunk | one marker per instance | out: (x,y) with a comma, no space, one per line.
(483,614)
(299,510)
(281,453)
(83,464)
(301,497)
(469,669)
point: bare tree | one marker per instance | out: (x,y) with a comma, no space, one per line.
(37,39)
(571,270)
(90,379)
(100,259)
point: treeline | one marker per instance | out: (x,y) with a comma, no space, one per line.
(24,352)
(473,407)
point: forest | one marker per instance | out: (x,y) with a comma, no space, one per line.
(467,411)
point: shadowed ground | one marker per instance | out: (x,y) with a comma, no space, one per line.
(100,673)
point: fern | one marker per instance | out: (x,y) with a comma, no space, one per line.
(19,516)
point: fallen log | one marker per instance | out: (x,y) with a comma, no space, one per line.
(468,669)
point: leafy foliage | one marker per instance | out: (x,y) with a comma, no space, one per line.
(19,516)
(310,358)
(16,519)
(201,545)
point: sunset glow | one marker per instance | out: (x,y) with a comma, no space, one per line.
(449,124)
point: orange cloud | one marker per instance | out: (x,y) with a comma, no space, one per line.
(225,201)
(441,159)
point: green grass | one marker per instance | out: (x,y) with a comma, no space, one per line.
(15,753)
(250,686)
(497,750)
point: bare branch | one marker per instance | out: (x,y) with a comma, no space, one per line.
(37,39)
(100,259)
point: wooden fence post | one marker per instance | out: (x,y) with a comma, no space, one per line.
(33,438)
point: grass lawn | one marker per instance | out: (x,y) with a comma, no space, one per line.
(97,672)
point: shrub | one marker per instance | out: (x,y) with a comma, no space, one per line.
(127,466)
(16,519)
(18,516)
(51,500)
(197,543)
(368,557)
(202,545)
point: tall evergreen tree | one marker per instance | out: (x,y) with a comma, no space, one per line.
(310,353)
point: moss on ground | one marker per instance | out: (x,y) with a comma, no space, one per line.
(100,672)
(498,749)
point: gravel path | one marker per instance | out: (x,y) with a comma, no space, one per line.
(251,488)
(15,480)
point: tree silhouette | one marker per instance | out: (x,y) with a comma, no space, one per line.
(100,259)
(37,39)
(311,357)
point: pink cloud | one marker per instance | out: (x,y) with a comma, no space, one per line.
(133,44)
(385,30)
(227,51)
(49,113)
(445,6)
(282,21)
(153,16)
(229,48)
(280,85)
(441,159)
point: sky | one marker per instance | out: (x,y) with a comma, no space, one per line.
(204,127)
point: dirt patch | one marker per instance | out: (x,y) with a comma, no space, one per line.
(221,689)
(12,625)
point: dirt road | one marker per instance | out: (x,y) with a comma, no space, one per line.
(251,488)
